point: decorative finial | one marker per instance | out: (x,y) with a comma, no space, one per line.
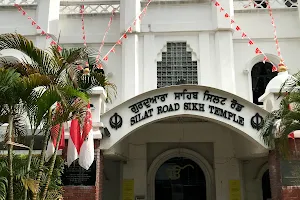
(86,71)
(282,67)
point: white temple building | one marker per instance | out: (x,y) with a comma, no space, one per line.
(191,91)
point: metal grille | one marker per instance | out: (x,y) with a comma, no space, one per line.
(176,65)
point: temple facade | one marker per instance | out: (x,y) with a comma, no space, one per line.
(194,78)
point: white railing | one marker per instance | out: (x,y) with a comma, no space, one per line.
(261,4)
(90,7)
(20,2)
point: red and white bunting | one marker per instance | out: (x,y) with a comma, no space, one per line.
(81,11)
(274,31)
(244,35)
(128,30)
(33,23)
(99,66)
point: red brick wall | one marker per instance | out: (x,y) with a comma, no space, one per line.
(280,192)
(87,192)
(79,192)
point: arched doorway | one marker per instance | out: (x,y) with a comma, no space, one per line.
(265,185)
(181,157)
(180,178)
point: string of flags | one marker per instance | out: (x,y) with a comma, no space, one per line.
(128,30)
(244,35)
(274,31)
(103,39)
(82,23)
(33,23)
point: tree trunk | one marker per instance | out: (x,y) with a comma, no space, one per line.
(10,159)
(42,162)
(52,163)
(29,162)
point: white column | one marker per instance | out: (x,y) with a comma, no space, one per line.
(47,17)
(136,168)
(225,60)
(205,69)
(130,49)
(150,67)
(227,168)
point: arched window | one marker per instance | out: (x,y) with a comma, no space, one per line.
(266,186)
(261,74)
(177,66)
(180,178)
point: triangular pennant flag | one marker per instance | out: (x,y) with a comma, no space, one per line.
(124,35)
(43,33)
(23,12)
(226,15)
(217,3)
(265,59)
(244,35)
(59,48)
(33,22)
(113,50)
(221,9)
(47,36)
(105,58)
(38,27)
(257,51)
(274,69)
(119,42)
(231,21)
(250,42)
(16,5)
(237,28)
(52,42)
(129,30)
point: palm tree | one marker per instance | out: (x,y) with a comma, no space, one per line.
(63,82)
(12,89)
(280,123)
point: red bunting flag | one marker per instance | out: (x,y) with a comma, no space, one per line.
(38,27)
(244,35)
(265,59)
(105,58)
(231,21)
(226,15)
(43,33)
(217,4)
(52,42)
(129,30)
(221,9)
(23,13)
(33,23)
(48,36)
(59,48)
(113,50)
(274,68)
(119,42)
(250,42)
(124,35)
(258,51)
(237,28)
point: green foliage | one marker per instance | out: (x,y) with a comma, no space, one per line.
(22,181)
(280,123)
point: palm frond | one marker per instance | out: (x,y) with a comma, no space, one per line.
(3,188)
(38,56)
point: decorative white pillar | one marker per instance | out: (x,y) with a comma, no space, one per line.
(130,48)
(136,168)
(206,70)
(224,59)
(150,66)
(47,17)
(227,168)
